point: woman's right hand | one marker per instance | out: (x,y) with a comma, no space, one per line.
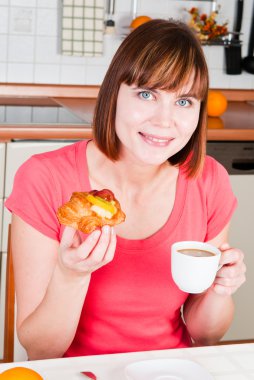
(82,258)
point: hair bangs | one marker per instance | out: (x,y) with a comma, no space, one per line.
(168,69)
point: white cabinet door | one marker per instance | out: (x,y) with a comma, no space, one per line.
(6,221)
(242,236)
(19,351)
(2,301)
(2,168)
(1,220)
(16,154)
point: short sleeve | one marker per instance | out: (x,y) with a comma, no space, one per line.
(34,197)
(221,201)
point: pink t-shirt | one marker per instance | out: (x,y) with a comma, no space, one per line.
(132,303)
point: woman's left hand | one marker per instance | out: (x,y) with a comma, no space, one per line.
(232,273)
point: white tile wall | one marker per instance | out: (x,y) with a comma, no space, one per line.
(3,71)
(95,74)
(46,48)
(71,75)
(2,118)
(49,71)
(21,48)
(20,72)
(22,20)
(47,4)
(40,116)
(29,42)
(3,19)
(22,3)
(46,22)
(3,47)
(14,113)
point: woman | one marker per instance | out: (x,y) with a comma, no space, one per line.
(96,294)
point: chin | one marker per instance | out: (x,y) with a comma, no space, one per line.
(153,161)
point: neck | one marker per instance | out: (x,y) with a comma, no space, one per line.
(125,174)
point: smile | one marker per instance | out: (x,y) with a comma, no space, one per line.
(155,140)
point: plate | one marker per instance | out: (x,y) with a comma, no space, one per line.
(166,369)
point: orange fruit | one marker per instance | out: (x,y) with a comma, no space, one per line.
(139,21)
(215,123)
(217,103)
(20,373)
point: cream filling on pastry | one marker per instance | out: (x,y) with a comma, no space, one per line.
(101,212)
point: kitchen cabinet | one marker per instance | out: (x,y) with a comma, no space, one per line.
(2,271)
(241,235)
(2,173)
(13,154)
(17,153)
(238,159)
(2,168)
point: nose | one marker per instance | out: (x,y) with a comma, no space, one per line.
(163,115)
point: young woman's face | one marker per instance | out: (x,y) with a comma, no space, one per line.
(153,125)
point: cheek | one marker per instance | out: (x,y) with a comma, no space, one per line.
(189,122)
(129,115)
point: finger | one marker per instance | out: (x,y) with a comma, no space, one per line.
(99,251)
(231,271)
(231,256)
(67,237)
(111,248)
(86,248)
(223,290)
(102,255)
(230,282)
(224,246)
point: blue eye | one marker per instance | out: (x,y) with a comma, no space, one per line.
(145,95)
(183,102)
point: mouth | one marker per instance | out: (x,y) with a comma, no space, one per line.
(156,140)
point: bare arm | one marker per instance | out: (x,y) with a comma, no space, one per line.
(209,315)
(51,282)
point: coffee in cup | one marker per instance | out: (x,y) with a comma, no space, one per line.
(196,252)
(194,265)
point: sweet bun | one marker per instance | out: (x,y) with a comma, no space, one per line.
(87,211)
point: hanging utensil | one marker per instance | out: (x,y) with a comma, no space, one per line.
(248,62)
(233,49)
(238,20)
(110,23)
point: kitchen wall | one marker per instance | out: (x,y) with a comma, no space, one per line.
(29,42)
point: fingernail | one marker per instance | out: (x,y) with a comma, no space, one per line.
(96,234)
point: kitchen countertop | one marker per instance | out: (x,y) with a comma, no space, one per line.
(236,124)
(223,362)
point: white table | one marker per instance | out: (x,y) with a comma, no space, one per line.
(226,362)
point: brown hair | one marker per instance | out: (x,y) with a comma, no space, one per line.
(158,54)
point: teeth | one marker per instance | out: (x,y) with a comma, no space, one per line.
(155,139)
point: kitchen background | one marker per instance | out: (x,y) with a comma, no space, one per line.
(30,41)
(30,45)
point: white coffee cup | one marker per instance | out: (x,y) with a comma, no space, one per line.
(191,273)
